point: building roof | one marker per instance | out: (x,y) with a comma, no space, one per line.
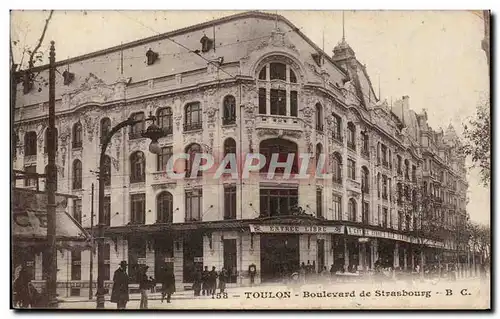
(195,27)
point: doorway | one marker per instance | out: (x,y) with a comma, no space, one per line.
(279,256)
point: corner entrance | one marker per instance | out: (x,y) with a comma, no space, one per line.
(279,256)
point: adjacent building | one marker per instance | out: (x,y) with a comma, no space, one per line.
(251,83)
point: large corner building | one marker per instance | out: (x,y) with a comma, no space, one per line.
(252,82)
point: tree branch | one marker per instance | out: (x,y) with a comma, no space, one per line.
(35,50)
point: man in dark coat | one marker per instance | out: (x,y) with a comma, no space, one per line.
(168,284)
(212,281)
(21,288)
(222,280)
(204,281)
(119,294)
(197,282)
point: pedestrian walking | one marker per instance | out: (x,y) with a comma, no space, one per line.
(168,284)
(204,281)
(21,288)
(302,273)
(222,280)
(197,282)
(212,280)
(145,284)
(119,294)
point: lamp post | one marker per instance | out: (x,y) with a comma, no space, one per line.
(153,132)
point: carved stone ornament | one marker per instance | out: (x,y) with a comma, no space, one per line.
(294,134)
(277,39)
(267,131)
(88,125)
(211,111)
(177,120)
(249,136)
(308,141)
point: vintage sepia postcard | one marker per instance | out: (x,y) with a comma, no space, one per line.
(250,160)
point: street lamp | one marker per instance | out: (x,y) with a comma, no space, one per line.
(153,132)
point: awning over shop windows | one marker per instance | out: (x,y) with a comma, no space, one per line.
(29,221)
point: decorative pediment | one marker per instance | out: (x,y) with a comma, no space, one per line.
(94,90)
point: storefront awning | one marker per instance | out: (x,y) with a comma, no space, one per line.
(29,221)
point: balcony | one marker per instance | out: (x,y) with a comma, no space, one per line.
(338,137)
(76,144)
(192,126)
(161,177)
(365,153)
(264,121)
(351,146)
(135,135)
(228,120)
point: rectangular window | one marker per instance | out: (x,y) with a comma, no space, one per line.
(76,265)
(278,202)
(107,211)
(337,128)
(365,146)
(193,119)
(319,203)
(163,158)
(414,173)
(138,208)
(365,213)
(390,188)
(77,210)
(384,187)
(30,180)
(351,169)
(278,102)
(137,129)
(337,207)
(293,103)
(262,101)
(385,162)
(384,217)
(193,204)
(400,220)
(379,216)
(230,202)
(230,259)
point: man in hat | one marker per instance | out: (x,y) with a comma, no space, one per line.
(119,294)
(145,284)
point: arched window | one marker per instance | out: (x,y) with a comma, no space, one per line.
(192,118)
(399,168)
(281,147)
(77,135)
(77,174)
(105,128)
(337,168)
(46,171)
(365,146)
(229,148)
(45,148)
(319,117)
(164,117)
(30,143)
(280,99)
(107,170)
(229,105)
(137,167)
(164,207)
(365,181)
(192,150)
(351,136)
(319,150)
(351,208)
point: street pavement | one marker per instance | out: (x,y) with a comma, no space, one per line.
(290,296)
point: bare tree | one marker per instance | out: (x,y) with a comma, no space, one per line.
(19,74)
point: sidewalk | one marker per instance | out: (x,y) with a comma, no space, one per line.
(179,295)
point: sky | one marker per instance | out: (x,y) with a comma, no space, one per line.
(434,57)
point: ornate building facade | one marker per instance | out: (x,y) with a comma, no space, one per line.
(256,85)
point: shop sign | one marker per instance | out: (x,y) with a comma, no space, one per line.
(297,229)
(198,259)
(354,231)
(141,261)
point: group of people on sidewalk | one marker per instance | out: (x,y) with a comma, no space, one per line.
(206,281)
(120,292)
